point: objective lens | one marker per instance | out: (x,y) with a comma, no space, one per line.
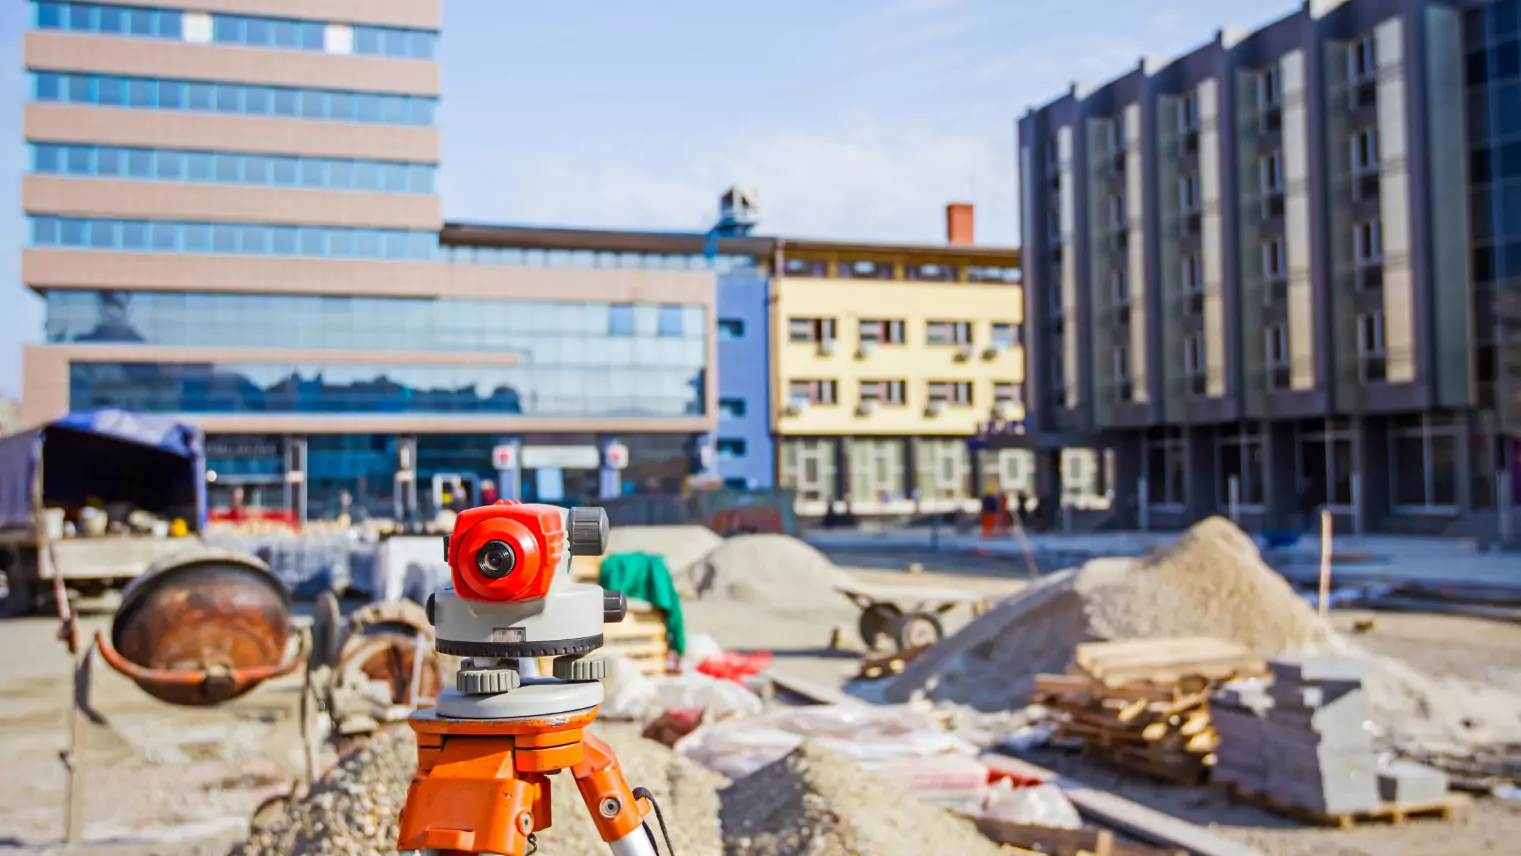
(495,559)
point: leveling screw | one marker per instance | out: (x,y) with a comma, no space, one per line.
(610,807)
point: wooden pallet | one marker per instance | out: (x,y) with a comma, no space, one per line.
(640,636)
(1393,813)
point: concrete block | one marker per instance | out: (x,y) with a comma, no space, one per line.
(1333,792)
(1408,782)
(1313,695)
(1348,713)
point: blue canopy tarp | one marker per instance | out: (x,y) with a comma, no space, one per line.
(152,462)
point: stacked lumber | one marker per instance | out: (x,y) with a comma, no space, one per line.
(1143,704)
(640,636)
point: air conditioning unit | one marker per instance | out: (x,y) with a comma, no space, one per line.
(826,347)
(991,352)
(866,348)
(1005,410)
(964,353)
(796,407)
(866,408)
(935,408)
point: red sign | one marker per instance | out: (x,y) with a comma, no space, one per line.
(504,457)
(616,456)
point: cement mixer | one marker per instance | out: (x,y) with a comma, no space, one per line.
(204,630)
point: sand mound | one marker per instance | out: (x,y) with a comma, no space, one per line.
(681,546)
(1210,582)
(814,803)
(768,570)
(353,809)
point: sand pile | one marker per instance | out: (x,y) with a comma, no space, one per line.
(682,546)
(353,809)
(1210,582)
(766,570)
(814,803)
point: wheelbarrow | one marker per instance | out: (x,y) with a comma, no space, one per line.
(909,616)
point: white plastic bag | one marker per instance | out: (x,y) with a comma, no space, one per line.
(628,693)
(870,736)
(700,646)
(721,699)
(1037,805)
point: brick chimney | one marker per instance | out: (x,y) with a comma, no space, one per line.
(959,218)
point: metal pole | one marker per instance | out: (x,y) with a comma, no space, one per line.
(1143,505)
(1357,503)
(1234,499)
(1324,604)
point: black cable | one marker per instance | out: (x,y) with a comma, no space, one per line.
(645,793)
(533,845)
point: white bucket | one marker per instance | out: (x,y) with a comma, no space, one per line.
(52,523)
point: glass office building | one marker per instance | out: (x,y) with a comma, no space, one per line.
(233,218)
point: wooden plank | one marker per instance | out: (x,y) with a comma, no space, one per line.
(1116,812)
(1394,813)
(817,693)
(1048,840)
(1097,656)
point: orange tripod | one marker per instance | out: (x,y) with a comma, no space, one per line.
(482,785)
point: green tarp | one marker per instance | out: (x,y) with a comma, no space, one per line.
(646,577)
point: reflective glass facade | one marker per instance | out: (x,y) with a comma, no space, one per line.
(582,334)
(148,93)
(282,33)
(164,236)
(644,387)
(596,259)
(231,168)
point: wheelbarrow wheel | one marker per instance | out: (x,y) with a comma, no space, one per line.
(916,630)
(327,630)
(877,621)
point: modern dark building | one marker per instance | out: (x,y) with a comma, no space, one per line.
(1271,274)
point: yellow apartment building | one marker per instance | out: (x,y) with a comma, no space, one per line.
(887,358)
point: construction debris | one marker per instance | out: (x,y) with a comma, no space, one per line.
(1210,582)
(1142,704)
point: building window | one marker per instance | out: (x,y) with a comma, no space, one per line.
(1005,335)
(1114,134)
(809,465)
(876,469)
(1365,151)
(1188,112)
(810,330)
(1270,173)
(669,322)
(1116,210)
(731,408)
(944,468)
(1193,363)
(1053,226)
(1007,392)
(1274,259)
(1193,282)
(235,98)
(882,332)
(231,168)
(1239,458)
(620,319)
(1368,241)
(1122,381)
(948,332)
(956,393)
(731,328)
(806,267)
(1166,469)
(232,238)
(987,275)
(823,392)
(731,447)
(931,273)
(1276,345)
(864,270)
(1119,287)
(1269,88)
(885,392)
(1362,62)
(1372,358)
(1188,193)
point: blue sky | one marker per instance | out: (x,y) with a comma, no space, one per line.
(852,118)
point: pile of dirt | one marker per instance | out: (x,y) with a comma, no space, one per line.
(353,809)
(813,803)
(766,570)
(682,546)
(1210,582)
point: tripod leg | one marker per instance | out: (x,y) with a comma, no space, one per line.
(619,817)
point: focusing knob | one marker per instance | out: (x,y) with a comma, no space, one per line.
(587,527)
(485,681)
(431,611)
(580,668)
(614,606)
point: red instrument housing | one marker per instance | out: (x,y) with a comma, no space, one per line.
(536,534)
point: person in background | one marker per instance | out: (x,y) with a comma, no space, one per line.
(1005,524)
(488,492)
(989,511)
